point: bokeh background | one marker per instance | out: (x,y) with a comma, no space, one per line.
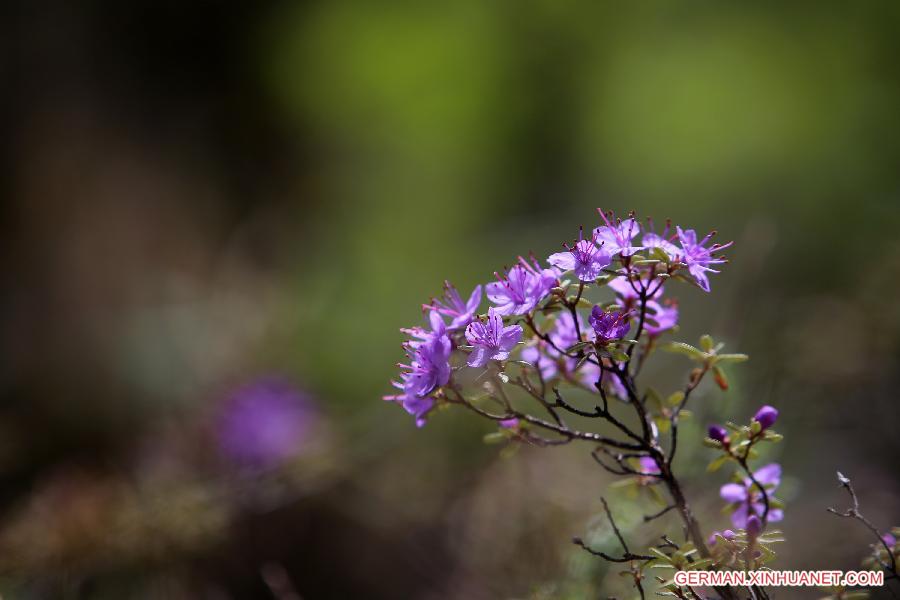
(218,214)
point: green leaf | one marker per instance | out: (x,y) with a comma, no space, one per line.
(717,463)
(577,346)
(732,358)
(659,254)
(675,398)
(618,355)
(706,342)
(664,558)
(496,437)
(685,349)
(654,397)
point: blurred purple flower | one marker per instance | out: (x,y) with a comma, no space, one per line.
(563,335)
(627,297)
(889,539)
(665,316)
(491,340)
(648,465)
(609,326)
(751,502)
(452,305)
(509,423)
(585,258)
(717,432)
(766,416)
(754,526)
(265,422)
(523,287)
(726,533)
(698,257)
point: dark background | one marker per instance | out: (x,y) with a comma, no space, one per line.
(202,193)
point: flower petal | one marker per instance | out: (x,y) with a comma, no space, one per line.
(733,492)
(769,474)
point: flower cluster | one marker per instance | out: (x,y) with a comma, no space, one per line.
(529,290)
(750,496)
(588,319)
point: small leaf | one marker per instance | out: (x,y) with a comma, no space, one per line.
(686,349)
(577,346)
(618,355)
(675,398)
(717,464)
(495,437)
(732,358)
(706,342)
(659,254)
(721,379)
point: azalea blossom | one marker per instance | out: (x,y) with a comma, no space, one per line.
(547,358)
(748,499)
(698,257)
(609,326)
(491,340)
(523,287)
(616,236)
(452,305)
(664,317)
(428,369)
(585,258)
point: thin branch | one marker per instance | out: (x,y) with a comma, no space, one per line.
(656,515)
(853,513)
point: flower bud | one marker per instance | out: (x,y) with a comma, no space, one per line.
(754,526)
(766,416)
(718,433)
(728,534)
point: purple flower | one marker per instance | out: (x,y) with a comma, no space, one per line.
(665,316)
(523,287)
(429,368)
(698,257)
(492,341)
(509,423)
(754,526)
(749,501)
(727,534)
(617,235)
(452,305)
(625,290)
(585,258)
(421,335)
(564,334)
(717,432)
(766,416)
(889,539)
(653,240)
(648,466)
(609,326)
(265,422)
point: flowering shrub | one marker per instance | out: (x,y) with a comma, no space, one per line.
(590,321)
